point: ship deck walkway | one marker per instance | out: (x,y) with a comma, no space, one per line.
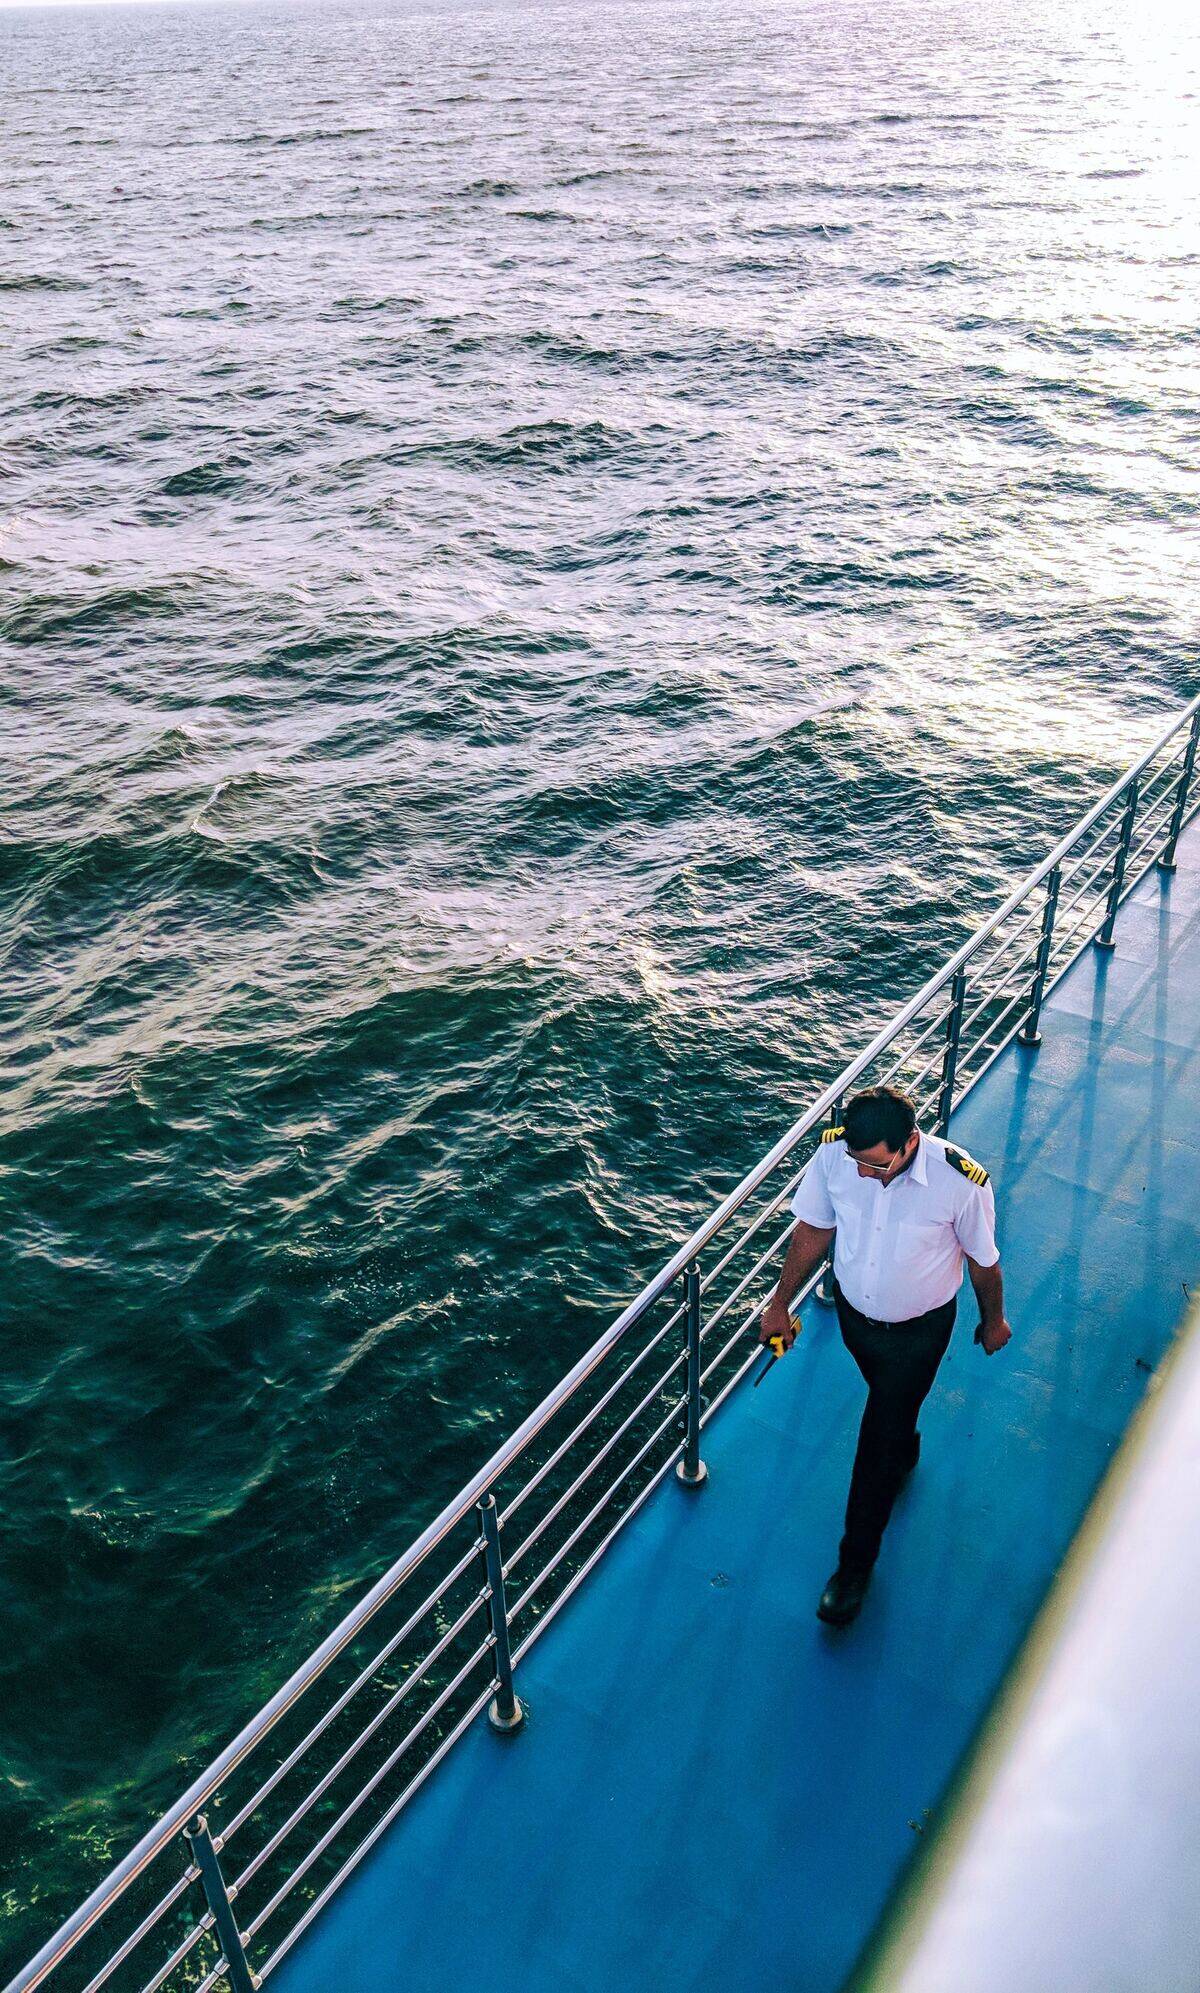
(714,1790)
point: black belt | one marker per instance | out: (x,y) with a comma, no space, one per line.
(878,1321)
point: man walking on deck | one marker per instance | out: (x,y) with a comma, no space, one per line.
(907,1209)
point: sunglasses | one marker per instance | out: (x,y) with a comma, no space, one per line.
(877,1169)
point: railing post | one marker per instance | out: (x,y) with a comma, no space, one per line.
(204,1854)
(1029,1033)
(1166,862)
(690,1470)
(505,1711)
(1105,937)
(824,1287)
(954,1017)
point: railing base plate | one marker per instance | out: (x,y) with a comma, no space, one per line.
(506,1724)
(687,1480)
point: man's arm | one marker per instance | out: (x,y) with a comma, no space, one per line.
(807,1247)
(993,1331)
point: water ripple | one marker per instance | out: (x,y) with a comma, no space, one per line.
(551,560)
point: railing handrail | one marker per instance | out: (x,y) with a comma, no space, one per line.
(202,1789)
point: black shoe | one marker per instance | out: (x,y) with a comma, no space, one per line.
(841,1601)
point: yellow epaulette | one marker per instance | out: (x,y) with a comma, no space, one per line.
(832,1134)
(967,1164)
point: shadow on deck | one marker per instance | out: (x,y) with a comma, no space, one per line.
(712,1789)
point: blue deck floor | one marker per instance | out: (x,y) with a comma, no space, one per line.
(712,1790)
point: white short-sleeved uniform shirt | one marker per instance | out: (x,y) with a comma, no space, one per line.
(900,1245)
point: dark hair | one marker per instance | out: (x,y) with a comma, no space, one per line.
(879,1114)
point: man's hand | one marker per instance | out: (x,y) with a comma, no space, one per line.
(993,1331)
(777,1322)
(807,1247)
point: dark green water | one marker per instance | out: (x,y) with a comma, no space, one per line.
(553,560)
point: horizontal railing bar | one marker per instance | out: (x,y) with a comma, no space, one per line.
(969,1052)
(1164,776)
(1072,867)
(735,1293)
(764,1217)
(381,1826)
(1150,823)
(1132,881)
(1102,864)
(565,1445)
(1147,848)
(372,1668)
(754,1354)
(614,1439)
(1101,831)
(1032,920)
(202,1788)
(581,1529)
(572,1585)
(190,1875)
(1052,983)
(1072,871)
(937,1023)
(1088,923)
(1151,829)
(1064,967)
(1153,820)
(758,1308)
(1141,865)
(376,1723)
(219,1972)
(1141,850)
(930,1100)
(1165,804)
(1142,854)
(1081,892)
(933,1065)
(1022,972)
(180,1952)
(1149,802)
(1157,813)
(732,1384)
(331,1833)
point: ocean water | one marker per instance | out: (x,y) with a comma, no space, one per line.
(553,560)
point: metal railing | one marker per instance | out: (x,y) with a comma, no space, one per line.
(219,1891)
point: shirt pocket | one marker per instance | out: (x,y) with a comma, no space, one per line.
(919,1242)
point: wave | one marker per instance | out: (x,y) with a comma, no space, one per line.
(208,480)
(38,280)
(40,618)
(319,135)
(552,446)
(488,190)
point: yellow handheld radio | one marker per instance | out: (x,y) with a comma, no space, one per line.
(774,1350)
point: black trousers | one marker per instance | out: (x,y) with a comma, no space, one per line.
(899,1361)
